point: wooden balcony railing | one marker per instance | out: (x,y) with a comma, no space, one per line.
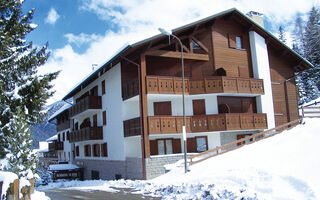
(213,84)
(131,127)
(85,134)
(207,123)
(55,146)
(63,126)
(89,102)
(130,89)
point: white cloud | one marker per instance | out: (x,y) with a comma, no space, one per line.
(139,19)
(82,38)
(52,17)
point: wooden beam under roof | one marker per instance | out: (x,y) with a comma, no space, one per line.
(174,54)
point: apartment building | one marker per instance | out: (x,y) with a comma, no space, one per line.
(126,117)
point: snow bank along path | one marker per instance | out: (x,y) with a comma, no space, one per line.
(282,167)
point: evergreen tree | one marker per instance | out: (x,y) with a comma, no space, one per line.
(20,156)
(20,84)
(307,44)
(282,36)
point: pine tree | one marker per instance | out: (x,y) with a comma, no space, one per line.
(20,156)
(307,44)
(282,36)
(20,84)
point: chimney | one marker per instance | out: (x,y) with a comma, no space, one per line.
(256,17)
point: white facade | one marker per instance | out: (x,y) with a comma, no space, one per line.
(261,70)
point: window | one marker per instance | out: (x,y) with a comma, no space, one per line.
(103,87)
(96,150)
(69,156)
(77,151)
(201,144)
(87,150)
(104,150)
(63,136)
(195,45)
(165,146)
(238,42)
(104,117)
(59,138)
(235,41)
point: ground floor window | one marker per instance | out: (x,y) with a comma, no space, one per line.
(87,150)
(165,146)
(197,144)
(201,144)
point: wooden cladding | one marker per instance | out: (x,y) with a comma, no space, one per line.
(55,146)
(175,54)
(63,126)
(89,102)
(85,134)
(130,89)
(131,127)
(204,123)
(213,84)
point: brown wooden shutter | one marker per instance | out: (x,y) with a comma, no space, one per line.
(232,40)
(95,120)
(77,151)
(192,145)
(153,147)
(162,108)
(104,150)
(104,118)
(176,143)
(103,87)
(199,107)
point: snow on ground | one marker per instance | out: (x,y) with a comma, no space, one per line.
(281,167)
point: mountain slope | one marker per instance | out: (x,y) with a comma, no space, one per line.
(41,132)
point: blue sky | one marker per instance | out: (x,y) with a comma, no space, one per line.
(81,33)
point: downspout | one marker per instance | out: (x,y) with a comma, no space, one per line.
(141,113)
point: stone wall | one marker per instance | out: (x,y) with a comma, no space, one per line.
(155,164)
(111,169)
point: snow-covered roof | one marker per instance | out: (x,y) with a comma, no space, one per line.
(61,167)
(55,137)
(62,109)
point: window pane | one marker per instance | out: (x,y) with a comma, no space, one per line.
(169,147)
(238,42)
(201,144)
(161,147)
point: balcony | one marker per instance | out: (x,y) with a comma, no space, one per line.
(55,146)
(86,104)
(207,123)
(63,126)
(208,85)
(85,134)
